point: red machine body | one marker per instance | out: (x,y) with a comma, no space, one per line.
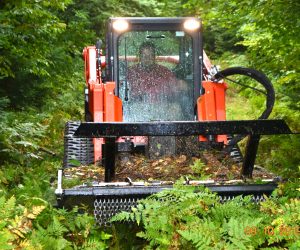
(211,106)
(105,106)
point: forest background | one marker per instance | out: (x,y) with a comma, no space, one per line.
(41,88)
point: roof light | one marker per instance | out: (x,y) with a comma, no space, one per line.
(120,25)
(191,24)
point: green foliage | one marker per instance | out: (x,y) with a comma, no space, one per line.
(35,59)
(16,222)
(42,227)
(21,34)
(60,229)
(184,219)
(198,169)
(20,140)
(267,34)
(41,87)
(198,166)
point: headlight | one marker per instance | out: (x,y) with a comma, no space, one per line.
(191,24)
(120,25)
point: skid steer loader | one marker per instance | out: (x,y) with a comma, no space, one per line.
(155,92)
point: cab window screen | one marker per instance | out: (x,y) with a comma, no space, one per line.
(155,73)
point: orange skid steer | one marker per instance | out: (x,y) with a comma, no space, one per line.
(154,85)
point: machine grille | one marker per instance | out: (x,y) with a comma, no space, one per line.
(106,208)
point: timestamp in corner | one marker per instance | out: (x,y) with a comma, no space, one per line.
(282,230)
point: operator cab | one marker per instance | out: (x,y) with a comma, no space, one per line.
(156,64)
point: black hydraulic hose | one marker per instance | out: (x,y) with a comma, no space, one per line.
(259,77)
(246,86)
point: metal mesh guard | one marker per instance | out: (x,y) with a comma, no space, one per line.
(106,208)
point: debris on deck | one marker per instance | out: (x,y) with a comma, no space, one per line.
(169,168)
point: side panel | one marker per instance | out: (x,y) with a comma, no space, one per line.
(96,96)
(96,92)
(112,104)
(211,106)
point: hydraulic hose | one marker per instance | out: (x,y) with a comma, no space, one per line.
(259,77)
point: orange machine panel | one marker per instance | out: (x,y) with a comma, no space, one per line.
(112,104)
(107,108)
(90,64)
(104,106)
(211,105)
(96,92)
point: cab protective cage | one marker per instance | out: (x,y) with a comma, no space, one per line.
(154,24)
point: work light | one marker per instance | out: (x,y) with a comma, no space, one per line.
(120,25)
(191,24)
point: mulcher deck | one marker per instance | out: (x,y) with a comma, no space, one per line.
(108,198)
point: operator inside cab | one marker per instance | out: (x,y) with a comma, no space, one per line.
(156,76)
(149,79)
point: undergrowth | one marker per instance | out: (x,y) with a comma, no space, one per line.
(184,219)
(31,151)
(278,153)
(40,226)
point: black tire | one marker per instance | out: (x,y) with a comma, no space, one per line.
(77,151)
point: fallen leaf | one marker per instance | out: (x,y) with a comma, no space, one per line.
(168,159)
(154,164)
(18,233)
(181,159)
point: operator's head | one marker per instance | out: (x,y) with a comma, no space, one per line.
(147,54)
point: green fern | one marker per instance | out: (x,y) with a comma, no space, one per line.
(186,217)
(203,236)
(16,222)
